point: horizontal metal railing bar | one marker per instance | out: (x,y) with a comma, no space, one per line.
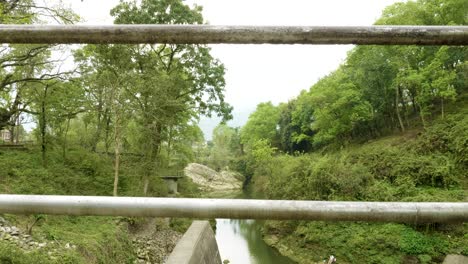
(207,34)
(409,212)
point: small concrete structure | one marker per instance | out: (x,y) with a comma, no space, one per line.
(171,182)
(5,135)
(197,246)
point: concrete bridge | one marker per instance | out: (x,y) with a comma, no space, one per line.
(171,182)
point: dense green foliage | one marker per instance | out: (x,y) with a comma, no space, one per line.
(395,168)
(390,124)
(124,117)
(376,91)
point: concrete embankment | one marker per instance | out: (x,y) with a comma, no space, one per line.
(197,246)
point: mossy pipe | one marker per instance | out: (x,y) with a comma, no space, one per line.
(407,212)
(210,34)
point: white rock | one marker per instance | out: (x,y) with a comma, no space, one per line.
(210,179)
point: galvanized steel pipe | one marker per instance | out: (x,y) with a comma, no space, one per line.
(408,212)
(206,34)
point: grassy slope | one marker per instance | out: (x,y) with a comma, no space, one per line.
(97,239)
(418,165)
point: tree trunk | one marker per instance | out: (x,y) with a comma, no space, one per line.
(154,154)
(11,130)
(421,114)
(169,142)
(117,142)
(442,107)
(397,109)
(18,123)
(108,120)
(405,110)
(43,127)
(146,184)
(64,150)
(98,132)
(43,136)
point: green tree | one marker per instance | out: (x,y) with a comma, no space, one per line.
(339,108)
(53,103)
(438,82)
(262,124)
(162,88)
(21,64)
(221,152)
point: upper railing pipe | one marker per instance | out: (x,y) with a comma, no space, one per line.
(408,212)
(206,34)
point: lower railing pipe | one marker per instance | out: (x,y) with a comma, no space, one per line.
(409,212)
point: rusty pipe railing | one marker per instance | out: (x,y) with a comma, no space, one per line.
(409,212)
(206,34)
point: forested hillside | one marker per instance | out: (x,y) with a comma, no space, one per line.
(105,120)
(390,124)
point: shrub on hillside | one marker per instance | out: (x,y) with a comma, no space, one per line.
(310,177)
(398,165)
(448,135)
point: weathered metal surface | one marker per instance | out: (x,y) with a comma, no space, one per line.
(206,34)
(235,208)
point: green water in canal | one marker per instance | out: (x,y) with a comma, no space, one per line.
(240,242)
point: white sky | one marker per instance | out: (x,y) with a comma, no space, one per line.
(260,73)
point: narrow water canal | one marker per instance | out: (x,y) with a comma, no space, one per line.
(240,242)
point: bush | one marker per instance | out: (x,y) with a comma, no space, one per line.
(447,135)
(398,166)
(310,177)
(389,169)
(414,243)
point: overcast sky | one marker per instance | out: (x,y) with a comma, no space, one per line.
(260,73)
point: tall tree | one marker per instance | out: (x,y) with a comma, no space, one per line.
(20,64)
(262,124)
(165,87)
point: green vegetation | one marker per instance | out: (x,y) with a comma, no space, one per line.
(390,124)
(394,168)
(124,117)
